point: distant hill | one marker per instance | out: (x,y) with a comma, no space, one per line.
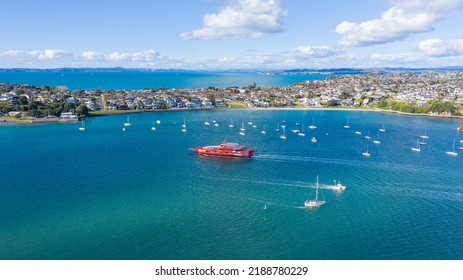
(328,71)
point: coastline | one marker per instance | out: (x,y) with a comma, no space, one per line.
(4,121)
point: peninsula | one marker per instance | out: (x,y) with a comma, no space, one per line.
(432,93)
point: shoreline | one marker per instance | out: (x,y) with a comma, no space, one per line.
(4,121)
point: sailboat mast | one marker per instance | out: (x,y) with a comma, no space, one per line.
(316,190)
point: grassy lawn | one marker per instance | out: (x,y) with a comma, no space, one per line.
(237,105)
(113,112)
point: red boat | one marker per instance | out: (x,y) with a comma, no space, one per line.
(225,150)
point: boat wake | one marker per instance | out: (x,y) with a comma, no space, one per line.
(343,162)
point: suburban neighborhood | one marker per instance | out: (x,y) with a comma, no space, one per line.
(434,93)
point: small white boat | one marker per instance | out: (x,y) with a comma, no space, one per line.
(302,131)
(231,124)
(153,127)
(368,136)
(313,140)
(263,130)
(207,123)
(158,122)
(216,124)
(452,153)
(338,187)
(347,124)
(315,202)
(366,154)
(123,129)
(128,122)
(242,129)
(184,125)
(424,136)
(278,127)
(283,136)
(376,141)
(82,128)
(312,126)
(382,129)
(358,132)
(418,146)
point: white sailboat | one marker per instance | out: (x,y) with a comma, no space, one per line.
(382,129)
(283,136)
(424,136)
(452,153)
(366,154)
(347,124)
(153,127)
(82,128)
(368,136)
(242,129)
(313,140)
(128,122)
(315,202)
(376,141)
(418,147)
(231,124)
(296,130)
(263,130)
(184,125)
(278,127)
(302,131)
(312,126)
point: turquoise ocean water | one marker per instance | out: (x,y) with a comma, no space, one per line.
(144,79)
(141,194)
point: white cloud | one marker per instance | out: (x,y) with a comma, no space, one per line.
(396,58)
(439,48)
(404,18)
(243,18)
(90,55)
(52,54)
(42,55)
(146,56)
(314,51)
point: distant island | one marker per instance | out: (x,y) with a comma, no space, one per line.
(437,93)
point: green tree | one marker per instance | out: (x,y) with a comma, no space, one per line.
(23,100)
(332,103)
(82,110)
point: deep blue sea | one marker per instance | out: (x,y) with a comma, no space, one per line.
(144,79)
(105,193)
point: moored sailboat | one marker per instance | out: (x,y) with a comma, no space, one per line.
(452,153)
(418,146)
(283,136)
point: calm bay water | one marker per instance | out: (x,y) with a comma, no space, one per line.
(141,194)
(144,79)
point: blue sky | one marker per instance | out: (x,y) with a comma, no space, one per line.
(231,34)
